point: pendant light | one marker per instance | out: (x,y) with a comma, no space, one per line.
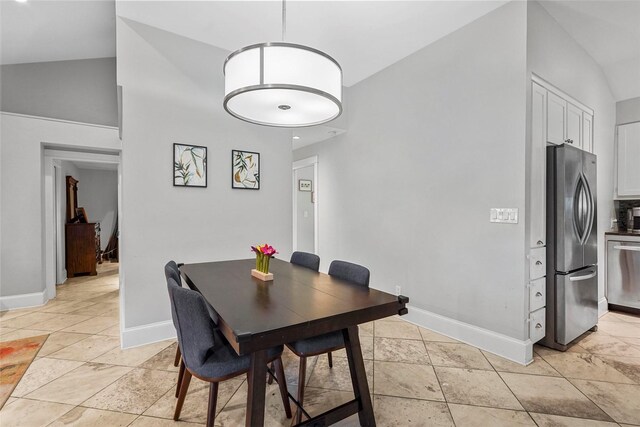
(282,84)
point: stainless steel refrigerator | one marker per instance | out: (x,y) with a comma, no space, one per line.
(572,245)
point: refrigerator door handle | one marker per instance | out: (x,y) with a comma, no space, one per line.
(583,209)
(591,207)
(628,248)
(585,277)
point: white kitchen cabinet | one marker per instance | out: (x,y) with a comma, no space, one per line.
(574,126)
(537,263)
(556,119)
(568,122)
(537,294)
(537,325)
(628,162)
(587,132)
(537,193)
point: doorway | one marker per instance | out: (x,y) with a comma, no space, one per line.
(305,205)
(102,176)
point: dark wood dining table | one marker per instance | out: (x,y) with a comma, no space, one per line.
(298,303)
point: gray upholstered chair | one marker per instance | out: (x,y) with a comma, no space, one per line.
(172,271)
(331,341)
(207,354)
(305,259)
(312,262)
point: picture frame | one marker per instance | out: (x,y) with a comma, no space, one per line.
(81,215)
(245,170)
(305,185)
(189,165)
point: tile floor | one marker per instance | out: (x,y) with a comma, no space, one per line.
(418,377)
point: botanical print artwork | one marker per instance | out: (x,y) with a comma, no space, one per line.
(189,165)
(245,170)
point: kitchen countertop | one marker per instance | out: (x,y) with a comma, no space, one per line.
(623,236)
(622,233)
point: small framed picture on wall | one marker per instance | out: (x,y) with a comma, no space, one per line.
(305,185)
(245,170)
(189,165)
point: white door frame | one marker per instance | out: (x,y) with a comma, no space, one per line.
(309,161)
(51,157)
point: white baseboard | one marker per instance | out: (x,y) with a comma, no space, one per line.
(603,306)
(147,334)
(502,345)
(23,301)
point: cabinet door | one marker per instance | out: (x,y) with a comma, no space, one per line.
(537,199)
(574,126)
(556,117)
(587,132)
(629,159)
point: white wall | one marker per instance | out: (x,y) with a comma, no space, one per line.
(628,111)
(80,90)
(22,196)
(553,55)
(434,142)
(304,212)
(98,194)
(172,92)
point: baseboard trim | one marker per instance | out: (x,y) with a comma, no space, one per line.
(510,348)
(147,334)
(603,306)
(12,302)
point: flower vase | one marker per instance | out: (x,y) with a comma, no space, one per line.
(261,272)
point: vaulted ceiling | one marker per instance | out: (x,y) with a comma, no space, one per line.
(364,36)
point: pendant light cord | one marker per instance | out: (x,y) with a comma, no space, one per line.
(284,19)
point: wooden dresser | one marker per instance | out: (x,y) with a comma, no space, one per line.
(82,237)
(81,249)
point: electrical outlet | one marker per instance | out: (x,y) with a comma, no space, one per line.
(398,290)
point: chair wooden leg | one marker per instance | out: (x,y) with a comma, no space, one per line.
(183,393)
(330,359)
(178,355)
(282,384)
(213,400)
(270,380)
(302,374)
(180,377)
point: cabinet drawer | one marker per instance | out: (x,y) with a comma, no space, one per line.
(537,294)
(537,325)
(537,267)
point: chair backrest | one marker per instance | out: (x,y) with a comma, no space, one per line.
(195,327)
(350,272)
(171,270)
(305,259)
(171,273)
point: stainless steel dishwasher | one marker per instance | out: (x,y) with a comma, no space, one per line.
(623,274)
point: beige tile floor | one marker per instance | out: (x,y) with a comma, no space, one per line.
(81,377)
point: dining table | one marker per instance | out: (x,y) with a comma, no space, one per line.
(255,315)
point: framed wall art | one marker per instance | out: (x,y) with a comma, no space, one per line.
(245,170)
(305,185)
(189,165)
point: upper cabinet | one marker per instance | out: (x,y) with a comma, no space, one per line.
(537,189)
(567,122)
(628,154)
(587,132)
(556,118)
(574,125)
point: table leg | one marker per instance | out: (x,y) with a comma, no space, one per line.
(257,381)
(358,376)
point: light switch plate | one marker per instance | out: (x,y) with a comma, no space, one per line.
(504,215)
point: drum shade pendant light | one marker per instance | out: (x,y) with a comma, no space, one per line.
(282,84)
